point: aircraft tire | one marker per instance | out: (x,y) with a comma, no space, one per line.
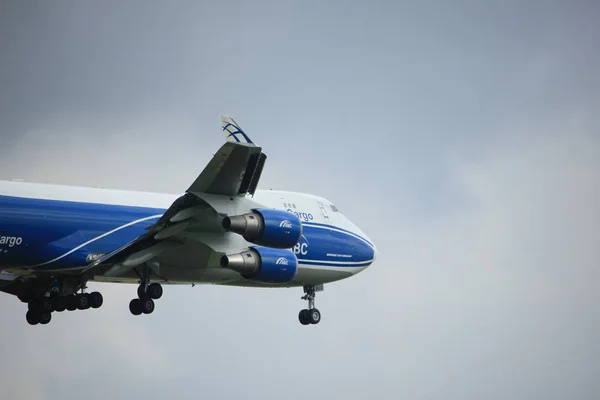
(45,317)
(141,291)
(71,302)
(32,317)
(135,306)
(60,304)
(314,316)
(83,301)
(147,305)
(303,317)
(155,290)
(96,299)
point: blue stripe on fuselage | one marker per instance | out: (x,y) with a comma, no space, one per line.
(48,229)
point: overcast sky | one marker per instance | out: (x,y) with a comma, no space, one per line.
(462,137)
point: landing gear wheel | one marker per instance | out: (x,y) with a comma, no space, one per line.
(141,291)
(45,317)
(71,302)
(147,305)
(32,317)
(155,290)
(82,301)
(135,306)
(314,316)
(146,292)
(40,305)
(45,305)
(96,299)
(303,317)
(60,304)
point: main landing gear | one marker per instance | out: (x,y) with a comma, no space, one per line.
(311,315)
(147,293)
(40,309)
(144,304)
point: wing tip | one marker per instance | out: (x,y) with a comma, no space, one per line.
(232,130)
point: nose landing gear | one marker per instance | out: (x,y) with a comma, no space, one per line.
(310,316)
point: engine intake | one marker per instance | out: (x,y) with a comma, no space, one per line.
(263,264)
(266,227)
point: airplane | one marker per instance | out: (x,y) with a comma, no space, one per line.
(222,230)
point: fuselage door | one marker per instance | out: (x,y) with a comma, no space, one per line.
(323,210)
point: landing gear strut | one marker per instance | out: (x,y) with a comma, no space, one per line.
(147,293)
(310,315)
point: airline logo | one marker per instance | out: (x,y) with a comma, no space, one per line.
(286,224)
(281,261)
(93,257)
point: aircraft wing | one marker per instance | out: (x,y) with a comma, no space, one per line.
(233,171)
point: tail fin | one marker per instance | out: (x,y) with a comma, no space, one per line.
(233,132)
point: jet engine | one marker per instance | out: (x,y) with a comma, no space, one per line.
(266,227)
(263,264)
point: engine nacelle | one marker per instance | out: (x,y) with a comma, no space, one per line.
(263,264)
(267,227)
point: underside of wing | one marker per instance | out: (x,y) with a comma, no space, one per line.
(188,212)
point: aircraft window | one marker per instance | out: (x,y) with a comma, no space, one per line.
(334,208)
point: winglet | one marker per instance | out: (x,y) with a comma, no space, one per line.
(233,132)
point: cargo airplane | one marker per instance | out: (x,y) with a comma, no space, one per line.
(222,230)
